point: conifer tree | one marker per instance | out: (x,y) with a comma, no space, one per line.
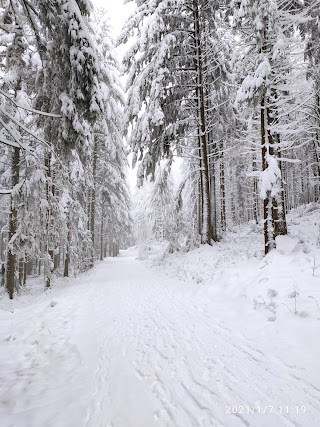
(268,39)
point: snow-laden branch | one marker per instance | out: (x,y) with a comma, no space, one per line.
(31,110)
(10,28)
(28,131)
(9,143)
(284,159)
(4,191)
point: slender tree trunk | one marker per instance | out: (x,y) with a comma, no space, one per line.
(281,223)
(200,204)
(67,250)
(114,250)
(39,266)
(222,192)
(101,236)
(30,267)
(21,263)
(214,203)
(316,142)
(25,268)
(13,216)
(48,266)
(93,202)
(1,247)
(255,193)
(211,161)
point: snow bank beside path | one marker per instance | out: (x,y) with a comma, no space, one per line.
(284,283)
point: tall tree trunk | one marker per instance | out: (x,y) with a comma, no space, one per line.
(222,192)
(48,265)
(255,193)
(25,268)
(13,216)
(21,263)
(93,202)
(206,230)
(67,250)
(280,225)
(214,203)
(200,203)
(2,247)
(101,237)
(268,211)
(316,141)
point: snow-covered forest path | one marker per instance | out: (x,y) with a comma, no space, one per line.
(128,346)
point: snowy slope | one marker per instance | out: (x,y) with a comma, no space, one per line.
(175,345)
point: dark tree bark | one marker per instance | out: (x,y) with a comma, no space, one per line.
(268,211)
(93,202)
(223,215)
(67,253)
(206,229)
(13,216)
(48,243)
(102,235)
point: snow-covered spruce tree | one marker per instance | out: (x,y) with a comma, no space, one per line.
(110,193)
(302,177)
(267,30)
(168,66)
(27,197)
(311,32)
(69,84)
(66,83)
(12,85)
(76,245)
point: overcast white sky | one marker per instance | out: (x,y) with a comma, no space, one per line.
(117,12)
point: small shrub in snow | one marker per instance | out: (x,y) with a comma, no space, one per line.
(10,338)
(315,265)
(258,304)
(302,314)
(198,279)
(294,294)
(272,293)
(270,306)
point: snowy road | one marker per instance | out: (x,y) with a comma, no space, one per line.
(130,347)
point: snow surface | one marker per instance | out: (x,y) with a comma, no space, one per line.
(172,344)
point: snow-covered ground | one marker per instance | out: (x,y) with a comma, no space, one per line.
(219,336)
